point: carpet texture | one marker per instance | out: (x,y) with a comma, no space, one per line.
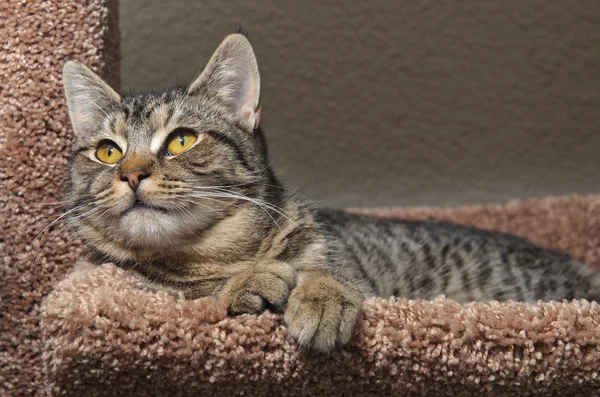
(105,335)
(36,37)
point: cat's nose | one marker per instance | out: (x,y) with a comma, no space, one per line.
(134,177)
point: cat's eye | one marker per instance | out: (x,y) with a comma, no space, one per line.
(179,141)
(108,152)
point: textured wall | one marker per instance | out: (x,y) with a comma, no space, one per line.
(383,102)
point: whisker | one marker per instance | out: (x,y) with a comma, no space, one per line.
(59,218)
(262,171)
(54,203)
(45,231)
(274,208)
(256,202)
(180,207)
(207,206)
(69,213)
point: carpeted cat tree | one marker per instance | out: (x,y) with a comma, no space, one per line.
(104,335)
(36,37)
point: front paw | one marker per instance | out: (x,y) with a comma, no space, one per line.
(322,312)
(259,287)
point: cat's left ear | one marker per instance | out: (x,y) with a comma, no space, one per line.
(231,76)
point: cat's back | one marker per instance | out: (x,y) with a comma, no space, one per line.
(423,259)
(432,232)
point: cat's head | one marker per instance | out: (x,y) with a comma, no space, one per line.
(149,172)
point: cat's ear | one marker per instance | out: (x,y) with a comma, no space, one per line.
(89,98)
(231,76)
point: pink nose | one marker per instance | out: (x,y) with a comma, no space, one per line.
(134,177)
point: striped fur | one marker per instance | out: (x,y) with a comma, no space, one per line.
(215,221)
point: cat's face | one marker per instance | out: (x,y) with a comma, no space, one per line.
(150,172)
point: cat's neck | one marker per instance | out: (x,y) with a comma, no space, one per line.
(245,234)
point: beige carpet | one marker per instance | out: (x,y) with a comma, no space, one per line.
(36,37)
(104,335)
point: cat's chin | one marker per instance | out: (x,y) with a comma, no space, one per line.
(151,227)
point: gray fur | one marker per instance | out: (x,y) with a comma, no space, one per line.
(424,259)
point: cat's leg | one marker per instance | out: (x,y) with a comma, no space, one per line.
(323,309)
(258,287)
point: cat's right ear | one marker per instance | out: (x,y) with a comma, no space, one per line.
(88,97)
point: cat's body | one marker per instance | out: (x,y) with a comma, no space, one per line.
(423,259)
(178,187)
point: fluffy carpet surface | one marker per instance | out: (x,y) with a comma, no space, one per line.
(36,38)
(105,335)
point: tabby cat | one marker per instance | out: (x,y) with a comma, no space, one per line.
(177,187)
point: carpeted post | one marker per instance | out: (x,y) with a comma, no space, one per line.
(36,37)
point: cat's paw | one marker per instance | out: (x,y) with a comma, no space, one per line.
(259,287)
(322,312)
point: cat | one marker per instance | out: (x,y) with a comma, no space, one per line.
(177,187)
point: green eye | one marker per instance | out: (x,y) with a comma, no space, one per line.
(109,153)
(180,141)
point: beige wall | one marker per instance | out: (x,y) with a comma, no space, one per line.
(401,102)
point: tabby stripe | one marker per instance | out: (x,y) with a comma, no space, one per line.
(364,274)
(467,247)
(514,278)
(170,113)
(410,278)
(222,138)
(425,282)
(542,289)
(444,270)
(138,107)
(360,267)
(429,260)
(444,253)
(89,185)
(199,165)
(508,276)
(552,284)
(460,265)
(205,174)
(500,295)
(79,151)
(527,279)
(150,109)
(162,276)
(409,274)
(294,244)
(568,285)
(383,252)
(369,247)
(111,124)
(458,261)
(445,274)
(485,272)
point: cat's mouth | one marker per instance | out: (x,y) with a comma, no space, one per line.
(139,205)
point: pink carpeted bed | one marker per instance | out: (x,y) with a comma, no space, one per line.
(103,332)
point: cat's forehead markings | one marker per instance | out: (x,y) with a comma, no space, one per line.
(119,129)
(119,125)
(112,128)
(162,121)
